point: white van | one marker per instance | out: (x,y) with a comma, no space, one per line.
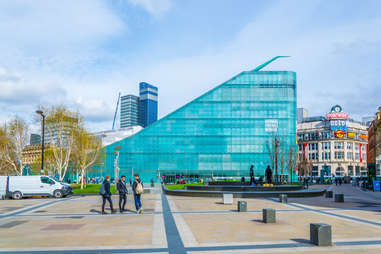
(21,186)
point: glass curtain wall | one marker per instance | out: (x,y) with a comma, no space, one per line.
(221,133)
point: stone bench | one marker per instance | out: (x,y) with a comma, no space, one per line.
(329,194)
(242,206)
(227,199)
(283,198)
(320,234)
(268,215)
(339,198)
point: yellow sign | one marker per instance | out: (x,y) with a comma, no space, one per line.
(339,134)
(351,135)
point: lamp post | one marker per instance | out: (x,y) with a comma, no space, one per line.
(41,113)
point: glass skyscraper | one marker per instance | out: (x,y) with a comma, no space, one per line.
(129,111)
(222,132)
(147,104)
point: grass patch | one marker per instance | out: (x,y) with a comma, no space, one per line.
(90,189)
(180,186)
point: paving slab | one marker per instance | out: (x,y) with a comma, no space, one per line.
(225,228)
(93,204)
(102,230)
(10,205)
(216,204)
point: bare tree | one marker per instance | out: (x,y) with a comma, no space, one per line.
(274,150)
(61,124)
(292,162)
(305,168)
(13,139)
(282,156)
(87,150)
(271,151)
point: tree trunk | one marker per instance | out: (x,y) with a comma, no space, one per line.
(82,179)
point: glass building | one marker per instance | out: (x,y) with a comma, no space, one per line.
(147,104)
(221,133)
(129,111)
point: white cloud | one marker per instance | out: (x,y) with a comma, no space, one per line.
(155,7)
(47,23)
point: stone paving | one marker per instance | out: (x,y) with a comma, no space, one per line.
(173,224)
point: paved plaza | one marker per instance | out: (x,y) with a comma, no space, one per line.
(173,224)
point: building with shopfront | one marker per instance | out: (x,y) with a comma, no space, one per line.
(221,133)
(374,133)
(334,144)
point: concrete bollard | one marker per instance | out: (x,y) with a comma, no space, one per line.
(268,215)
(283,198)
(321,234)
(339,198)
(329,194)
(242,206)
(227,199)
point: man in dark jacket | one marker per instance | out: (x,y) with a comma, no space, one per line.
(122,189)
(252,181)
(137,195)
(269,174)
(107,195)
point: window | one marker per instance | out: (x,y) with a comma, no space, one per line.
(339,145)
(349,145)
(326,145)
(315,171)
(357,146)
(47,180)
(350,170)
(339,155)
(357,156)
(350,156)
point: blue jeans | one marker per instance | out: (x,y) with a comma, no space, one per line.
(138,204)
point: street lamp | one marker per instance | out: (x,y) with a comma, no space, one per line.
(41,113)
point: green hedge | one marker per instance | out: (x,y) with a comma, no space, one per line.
(180,186)
(90,189)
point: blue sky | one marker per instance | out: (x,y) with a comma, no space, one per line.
(82,53)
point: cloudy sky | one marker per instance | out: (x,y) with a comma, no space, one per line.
(82,53)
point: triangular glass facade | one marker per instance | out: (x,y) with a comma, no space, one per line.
(222,132)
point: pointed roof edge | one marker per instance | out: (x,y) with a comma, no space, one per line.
(267,63)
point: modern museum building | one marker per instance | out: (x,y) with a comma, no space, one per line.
(221,133)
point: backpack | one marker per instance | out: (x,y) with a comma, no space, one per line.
(102,190)
(139,188)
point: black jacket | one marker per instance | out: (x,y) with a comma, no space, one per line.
(135,184)
(121,187)
(107,188)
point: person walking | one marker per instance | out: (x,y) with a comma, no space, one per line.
(269,174)
(122,189)
(137,188)
(252,181)
(106,194)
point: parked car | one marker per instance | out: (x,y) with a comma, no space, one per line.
(23,186)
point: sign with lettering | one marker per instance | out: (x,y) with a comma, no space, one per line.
(337,113)
(339,134)
(337,125)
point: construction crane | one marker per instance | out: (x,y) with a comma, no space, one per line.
(116,112)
